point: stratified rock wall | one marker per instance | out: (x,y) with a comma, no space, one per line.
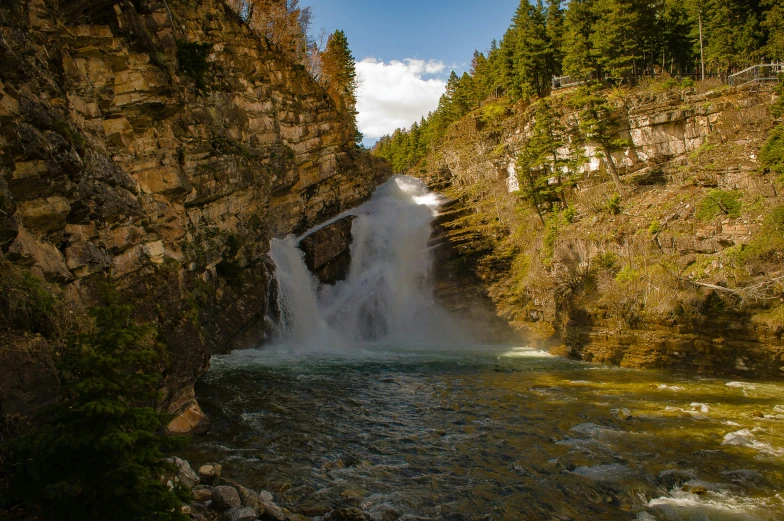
(114,163)
(682,145)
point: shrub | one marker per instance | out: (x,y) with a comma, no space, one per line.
(687,83)
(771,155)
(655,227)
(192,60)
(719,202)
(97,455)
(614,204)
(29,304)
(606,261)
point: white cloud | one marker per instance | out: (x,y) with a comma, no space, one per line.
(396,94)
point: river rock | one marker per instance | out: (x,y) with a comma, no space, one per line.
(346,514)
(239,514)
(202,494)
(623,414)
(266,496)
(209,473)
(272,512)
(250,499)
(185,473)
(224,498)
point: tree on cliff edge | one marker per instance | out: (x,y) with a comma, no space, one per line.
(339,77)
(99,454)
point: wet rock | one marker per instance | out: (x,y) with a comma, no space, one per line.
(239,514)
(250,499)
(314,509)
(266,496)
(272,512)
(224,498)
(623,414)
(327,251)
(675,477)
(346,514)
(185,473)
(695,489)
(209,473)
(202,494)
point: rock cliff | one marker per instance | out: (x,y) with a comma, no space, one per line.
(659,279)
(160,146)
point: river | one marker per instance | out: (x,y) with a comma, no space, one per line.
(374,397)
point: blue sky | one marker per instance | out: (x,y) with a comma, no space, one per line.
(405,50)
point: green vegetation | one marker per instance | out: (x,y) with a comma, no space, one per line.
(338,74)
(542,169)
(98,454)
(772,154)
(29,304)
(719,202)
(598,41)
(192,60)
(614,204)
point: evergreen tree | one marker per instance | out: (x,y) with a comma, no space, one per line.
(533,54)
(544,167)
(596,121)
(578,55)
(774,25)
(98,455)
(338,73)
(555,30)
(615,38)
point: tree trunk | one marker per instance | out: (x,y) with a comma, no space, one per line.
(702,52)
(613,171)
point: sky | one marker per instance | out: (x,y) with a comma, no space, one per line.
(405,50)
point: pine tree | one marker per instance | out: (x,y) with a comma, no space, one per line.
(615,38)
(338,73)
(555,33)
(579,59)
(543,167)
(596,121)
(774,25)
(533,54)
(99,454)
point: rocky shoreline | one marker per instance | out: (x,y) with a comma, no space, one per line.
(217,498)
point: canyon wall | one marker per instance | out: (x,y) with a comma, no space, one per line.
(158,146)
(649,281)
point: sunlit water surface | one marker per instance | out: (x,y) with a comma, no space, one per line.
(490,432)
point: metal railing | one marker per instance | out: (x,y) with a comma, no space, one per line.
(756,73)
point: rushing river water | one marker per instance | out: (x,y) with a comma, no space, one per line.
(372,397)
(505,433)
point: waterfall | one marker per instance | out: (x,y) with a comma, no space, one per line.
(387,296)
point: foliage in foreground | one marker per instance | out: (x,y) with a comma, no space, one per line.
(98,453)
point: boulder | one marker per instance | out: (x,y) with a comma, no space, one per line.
(209,473)
(272,512)
(202,494)
(185,473)
(239,514)
(250,499)
(224,498)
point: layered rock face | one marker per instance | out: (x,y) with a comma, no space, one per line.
(561,284)
(162,145)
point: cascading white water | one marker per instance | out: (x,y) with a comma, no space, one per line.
(387,295)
